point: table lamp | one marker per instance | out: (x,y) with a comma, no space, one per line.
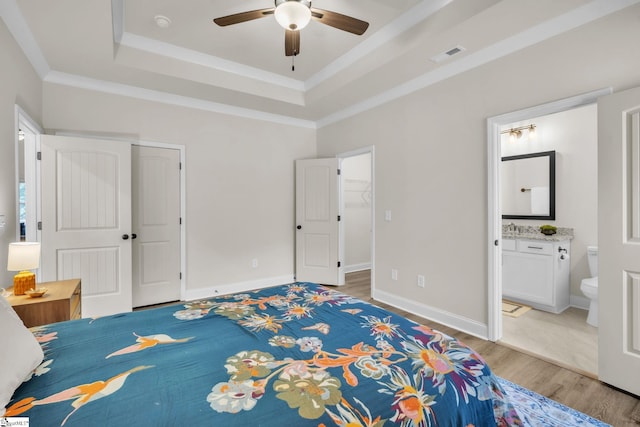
(23,256)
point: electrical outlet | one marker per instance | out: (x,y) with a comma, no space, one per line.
(387,215)
(394,274)
(420,281)
(254,263)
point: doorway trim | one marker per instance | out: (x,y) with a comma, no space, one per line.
(494,250)
(357,152)
(31,145)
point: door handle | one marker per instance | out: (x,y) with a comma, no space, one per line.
(134,235)
(299,227)
(125,237)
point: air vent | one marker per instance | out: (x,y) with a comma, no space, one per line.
(447,54)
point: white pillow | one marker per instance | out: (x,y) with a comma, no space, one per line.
(21,353)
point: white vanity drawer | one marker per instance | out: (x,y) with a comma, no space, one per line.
(535,247)
(508,244)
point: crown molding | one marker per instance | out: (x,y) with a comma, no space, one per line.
(580,16)
(589,12)
(82,82)
(17,26)
(403,23)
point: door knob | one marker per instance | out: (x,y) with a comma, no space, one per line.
(125,237)
(134,235)
(299,227)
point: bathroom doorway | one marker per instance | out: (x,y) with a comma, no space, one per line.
(569,128)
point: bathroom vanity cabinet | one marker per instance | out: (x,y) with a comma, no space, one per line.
(536,273)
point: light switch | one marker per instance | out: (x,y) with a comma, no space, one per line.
(387,215)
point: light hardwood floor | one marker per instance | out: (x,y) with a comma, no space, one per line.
(563,385)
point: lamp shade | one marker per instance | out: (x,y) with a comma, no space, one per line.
(293,15)
(23,256)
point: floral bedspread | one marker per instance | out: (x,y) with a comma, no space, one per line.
(292,355)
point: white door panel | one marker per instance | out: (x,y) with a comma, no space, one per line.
(619,240)
(86,205)
(317,223)
(156,223)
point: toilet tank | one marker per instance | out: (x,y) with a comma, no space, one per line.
(592,257)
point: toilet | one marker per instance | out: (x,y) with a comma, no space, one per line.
(589,287)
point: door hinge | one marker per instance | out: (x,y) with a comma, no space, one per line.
(40,225)
(338,217)
(181,275)
(39,155)
(339,172)
(339,264)
(180,220)
(180,165)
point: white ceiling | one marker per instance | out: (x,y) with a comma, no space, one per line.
(116,46)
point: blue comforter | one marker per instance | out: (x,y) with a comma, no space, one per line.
(292,355)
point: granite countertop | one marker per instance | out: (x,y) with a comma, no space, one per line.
(532,232)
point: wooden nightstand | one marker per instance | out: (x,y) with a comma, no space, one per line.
(61,302)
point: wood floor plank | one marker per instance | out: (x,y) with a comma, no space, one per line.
(573,389)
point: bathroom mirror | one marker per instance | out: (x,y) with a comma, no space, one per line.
(528,186)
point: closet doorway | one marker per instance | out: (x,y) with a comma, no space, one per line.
(357,208)
(88,230)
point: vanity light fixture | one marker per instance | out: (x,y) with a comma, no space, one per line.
(516,133)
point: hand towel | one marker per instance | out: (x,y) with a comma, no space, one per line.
(540,200)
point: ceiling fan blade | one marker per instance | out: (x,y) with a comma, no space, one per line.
(243,17)
(291,42)
(339,21)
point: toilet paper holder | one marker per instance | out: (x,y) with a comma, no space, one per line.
(563,252)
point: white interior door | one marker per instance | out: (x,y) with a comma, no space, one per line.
(619,239)
(86,213)
(317,222)
(156,225)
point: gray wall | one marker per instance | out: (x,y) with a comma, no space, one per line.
(239,177)
(431,157)
(20,85)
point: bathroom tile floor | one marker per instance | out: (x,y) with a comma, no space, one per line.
(565,338)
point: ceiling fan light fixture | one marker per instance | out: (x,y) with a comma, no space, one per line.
(293,14)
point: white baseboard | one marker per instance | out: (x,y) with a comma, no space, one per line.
(214,291)
(357,267)
(579,302)
(463,324)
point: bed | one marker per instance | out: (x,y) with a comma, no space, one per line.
(291,355)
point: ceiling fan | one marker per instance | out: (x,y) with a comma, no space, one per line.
(294,15)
